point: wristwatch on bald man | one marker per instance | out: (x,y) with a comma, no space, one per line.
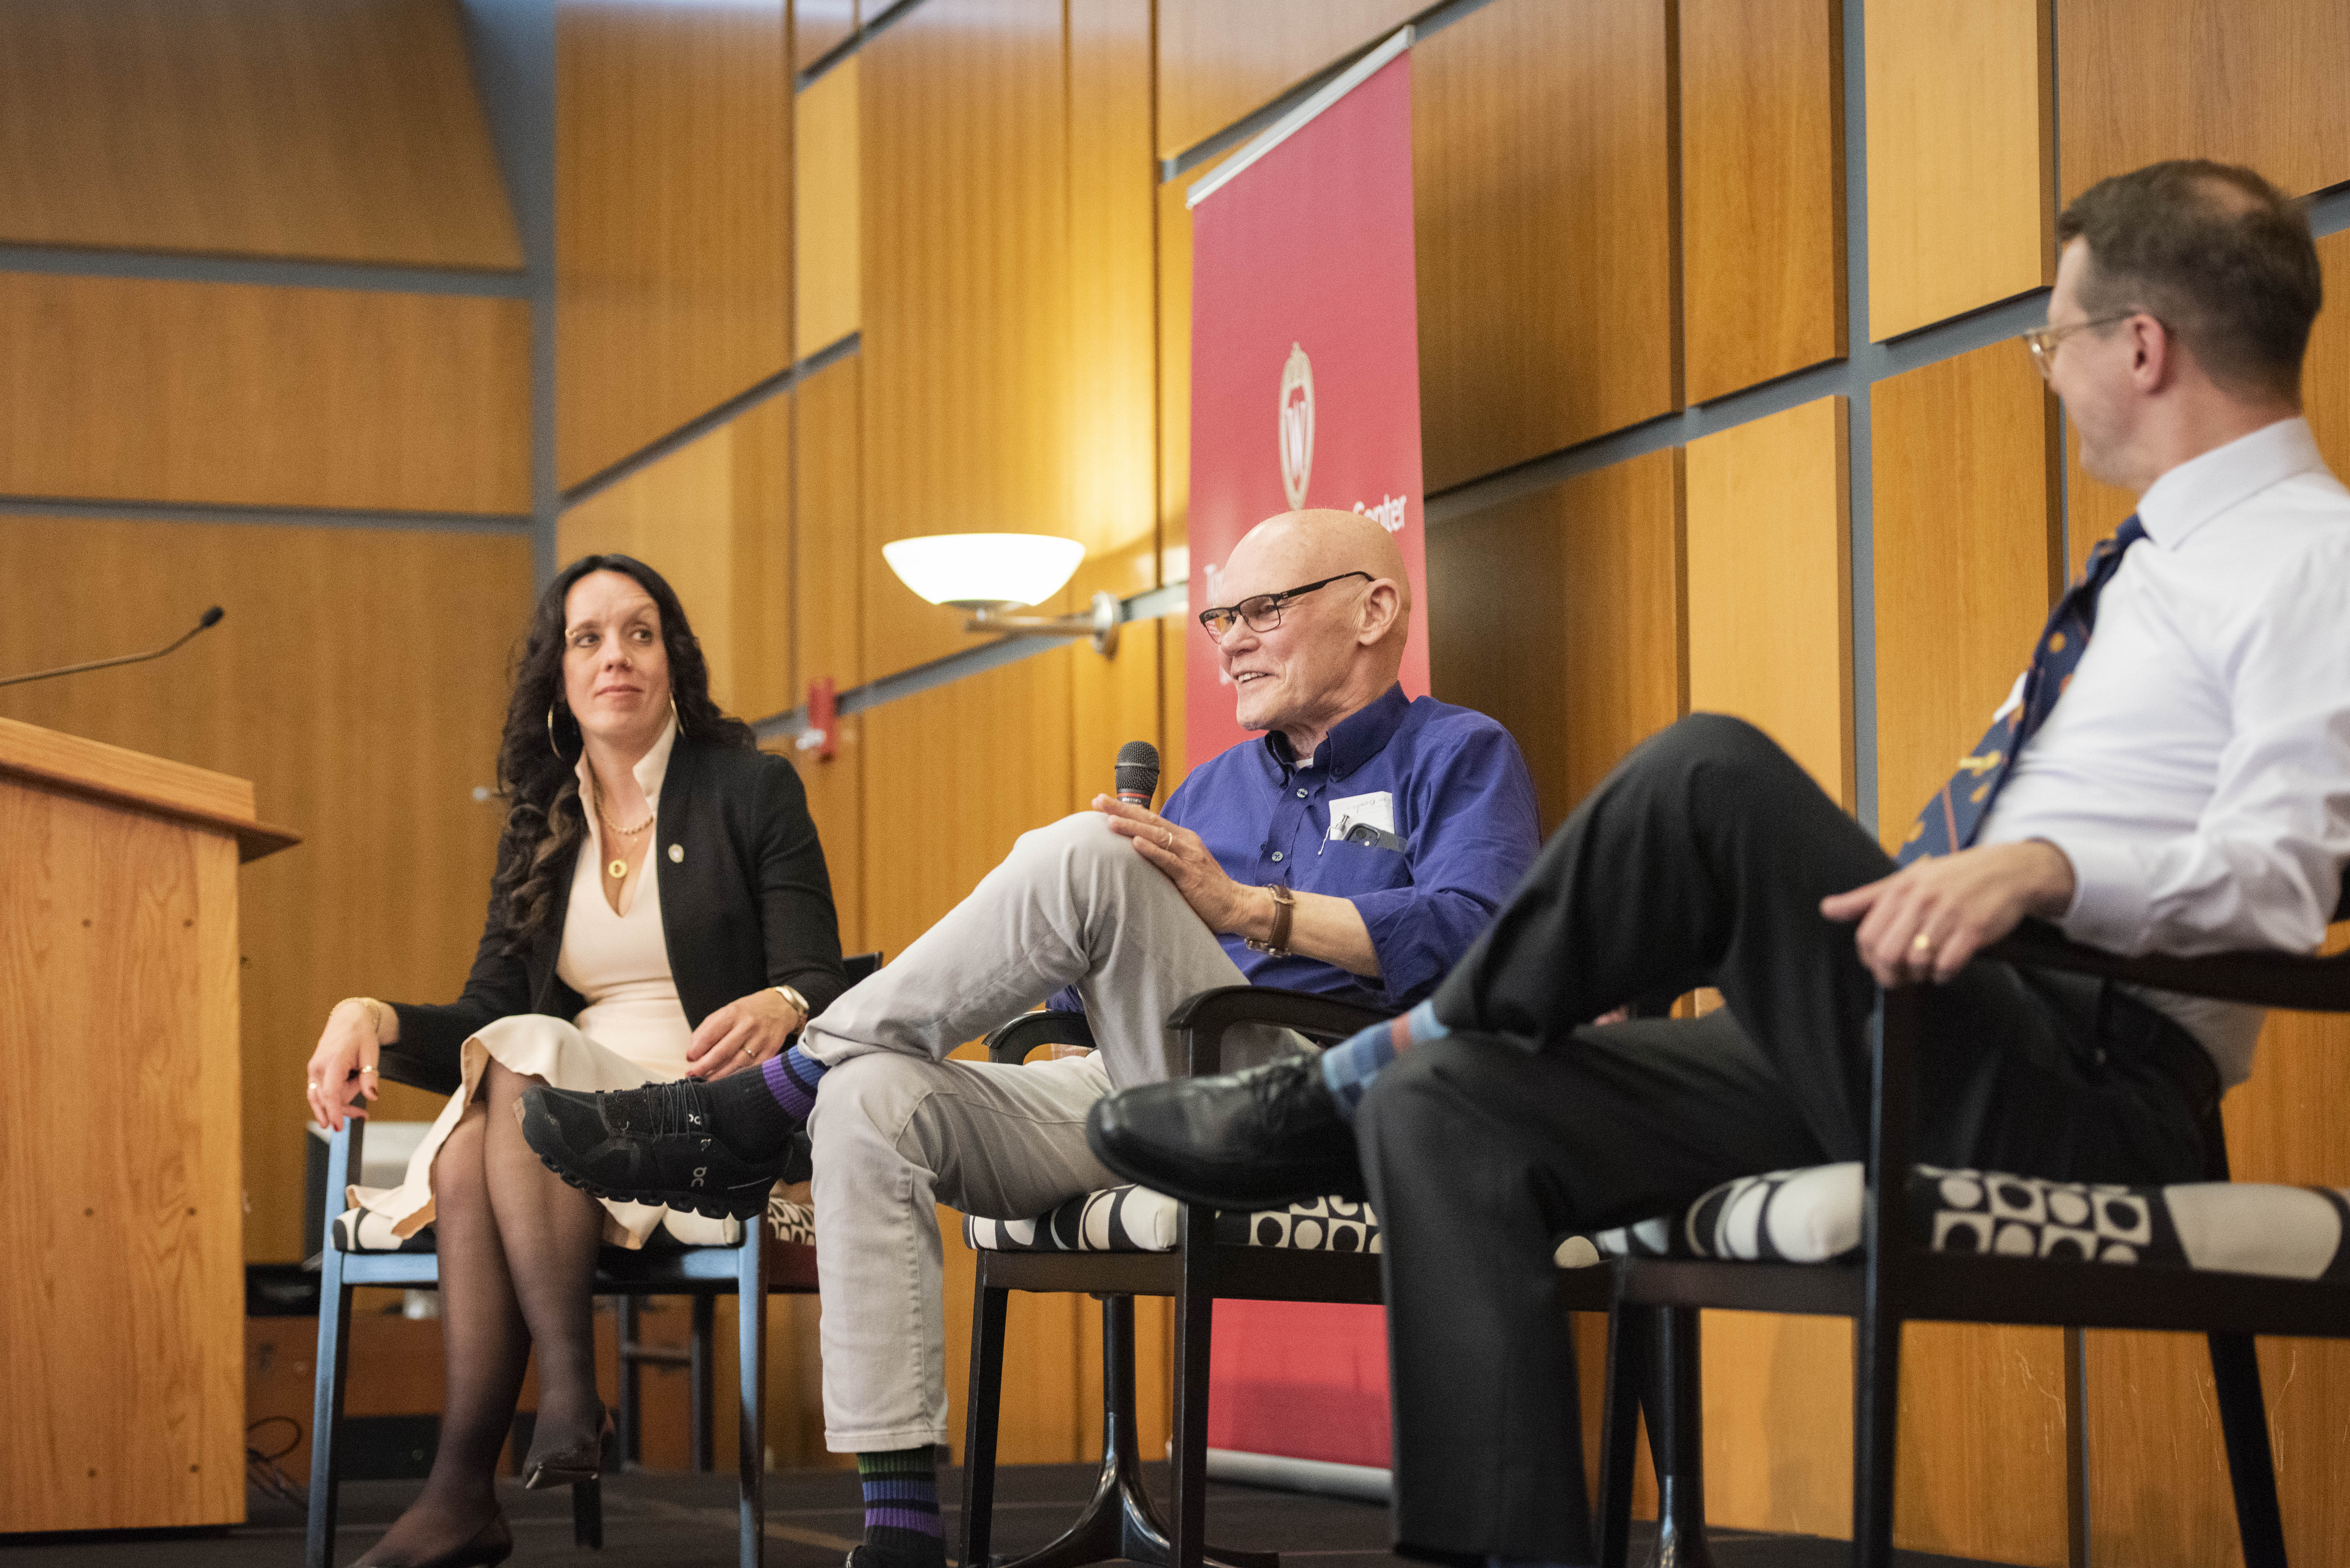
(1284,908)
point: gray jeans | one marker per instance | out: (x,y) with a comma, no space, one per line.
(898,1129)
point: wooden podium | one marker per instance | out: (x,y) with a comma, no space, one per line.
(121,1240)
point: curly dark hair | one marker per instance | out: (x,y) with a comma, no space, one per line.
(538,756)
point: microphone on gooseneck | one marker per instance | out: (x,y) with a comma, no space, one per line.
(211,618)
(1138,773)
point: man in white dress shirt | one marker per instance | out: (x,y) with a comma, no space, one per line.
(2173,775)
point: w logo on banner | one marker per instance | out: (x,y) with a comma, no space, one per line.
(1296,426)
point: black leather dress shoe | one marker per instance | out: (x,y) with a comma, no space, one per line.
(1261,1138)
(653,1145)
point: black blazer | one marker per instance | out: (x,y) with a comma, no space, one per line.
(744,900)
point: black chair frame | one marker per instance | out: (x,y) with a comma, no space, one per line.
(1120,1520)
(1893,1280)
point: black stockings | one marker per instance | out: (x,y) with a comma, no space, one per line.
(517,1253)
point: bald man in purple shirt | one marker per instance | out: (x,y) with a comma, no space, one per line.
(1355,850)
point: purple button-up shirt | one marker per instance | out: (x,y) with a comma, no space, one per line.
(1428,866)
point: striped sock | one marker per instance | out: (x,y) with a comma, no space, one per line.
(1349,1066)
(792,1078)
(901,1507)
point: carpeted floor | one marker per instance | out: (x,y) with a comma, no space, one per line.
(661,1520)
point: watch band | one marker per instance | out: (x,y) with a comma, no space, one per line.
(1284,908)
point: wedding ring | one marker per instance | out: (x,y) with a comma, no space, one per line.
(369,1069)
(1166,838)
(1921,943)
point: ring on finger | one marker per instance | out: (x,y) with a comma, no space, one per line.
(1166,838)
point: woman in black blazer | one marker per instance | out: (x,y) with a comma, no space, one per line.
(619,771)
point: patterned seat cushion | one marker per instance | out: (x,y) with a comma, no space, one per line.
(1814,1215)
(364,1230)
(1136,1219)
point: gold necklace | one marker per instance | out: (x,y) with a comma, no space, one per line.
(618,867)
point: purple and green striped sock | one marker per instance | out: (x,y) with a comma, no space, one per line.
(901,1507)
(1349,1066)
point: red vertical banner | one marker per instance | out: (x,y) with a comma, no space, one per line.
(1306,352)
(1304,393)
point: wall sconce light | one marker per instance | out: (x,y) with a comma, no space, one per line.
(989,575)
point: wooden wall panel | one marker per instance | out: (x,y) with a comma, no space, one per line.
(346,132)
(1968,545)
(1221,59)
(358,681)
(115,388)
(819,26)
(966,295)
(828,619)
(674,245)
(826,224)
(1961,157)
(1175,379)
(1560,614)
(828,538)
(1762,245)
(2259,84)
(1545,225)
(1769,584)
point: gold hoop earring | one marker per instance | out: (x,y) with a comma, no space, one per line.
(550,735)
(676,717)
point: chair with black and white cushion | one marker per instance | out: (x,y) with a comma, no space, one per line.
(1124,1242)
(2227,1259)
(777,1256)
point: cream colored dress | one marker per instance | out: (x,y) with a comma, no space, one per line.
(632,1032)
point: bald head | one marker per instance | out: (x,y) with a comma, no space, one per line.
(1293,548)
(1336,650)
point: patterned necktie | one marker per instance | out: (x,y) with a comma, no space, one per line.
(1957,811)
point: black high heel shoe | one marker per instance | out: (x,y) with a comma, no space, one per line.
(581,1460)
(490,1545)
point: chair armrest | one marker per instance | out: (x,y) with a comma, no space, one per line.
(2304,984)
(1204,1019)
(1010,1043)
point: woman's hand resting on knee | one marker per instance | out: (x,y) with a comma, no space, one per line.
(743,1033)
(349,1048)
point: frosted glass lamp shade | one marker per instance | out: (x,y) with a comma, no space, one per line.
(971,570)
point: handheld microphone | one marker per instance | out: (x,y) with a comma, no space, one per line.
(1138,773)
(211,617)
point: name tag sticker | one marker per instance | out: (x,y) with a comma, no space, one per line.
(1374,810)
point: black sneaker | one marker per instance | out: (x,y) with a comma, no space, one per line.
(1261,1138)
(653,1145)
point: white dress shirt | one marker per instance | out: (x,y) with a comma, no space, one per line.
(2197,770)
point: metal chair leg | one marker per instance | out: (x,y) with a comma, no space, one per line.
(628,1420)
(1677,1440)
(703,1374)
(1627,1356)
(1194,1326)
(751,1354)
(2251,1468)
(983,1410)
(587,1515)
(1876,1389)
(327,1412)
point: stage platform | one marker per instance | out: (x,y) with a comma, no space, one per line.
(664,1519)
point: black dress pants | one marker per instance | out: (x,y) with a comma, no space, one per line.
(1700,861)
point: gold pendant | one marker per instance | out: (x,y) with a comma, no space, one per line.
(617,870)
